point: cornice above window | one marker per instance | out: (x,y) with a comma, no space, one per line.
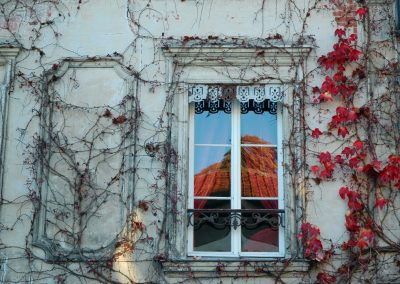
(236,55)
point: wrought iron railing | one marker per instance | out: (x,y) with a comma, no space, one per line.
(249,218)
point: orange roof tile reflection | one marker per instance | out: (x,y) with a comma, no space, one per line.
(258,171)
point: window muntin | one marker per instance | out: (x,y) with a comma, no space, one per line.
(235,176)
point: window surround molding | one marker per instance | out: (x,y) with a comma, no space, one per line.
(8,55)
(187,64)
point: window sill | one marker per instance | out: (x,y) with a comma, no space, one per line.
(204,268)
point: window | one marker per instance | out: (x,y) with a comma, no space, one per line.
(235,206)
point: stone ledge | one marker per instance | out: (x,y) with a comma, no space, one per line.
(206,268)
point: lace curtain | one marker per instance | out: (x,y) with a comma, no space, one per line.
(256,98)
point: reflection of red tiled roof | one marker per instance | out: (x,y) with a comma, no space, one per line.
(258,170)
(215,179)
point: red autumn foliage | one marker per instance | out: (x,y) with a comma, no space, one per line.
(325,278)
(310,238)
(107,113)
(347,151)
(342,131)
(315,169)
(340,33)
(358,145)
(354,198)
(351,223)
(343,115)
(325,159)
(316,133)
(390,174)
(365,238)
(119,120)
(343,192)
(339,160)
(361,12)
(380,202)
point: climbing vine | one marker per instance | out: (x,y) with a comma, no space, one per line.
(121,160)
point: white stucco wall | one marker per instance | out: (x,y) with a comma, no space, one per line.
(133,33)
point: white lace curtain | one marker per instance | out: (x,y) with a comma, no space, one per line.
(243,93)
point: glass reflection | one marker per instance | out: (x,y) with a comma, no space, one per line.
(262,127)
(262,238)
(211,236)
(207,238)
(259,172)
(212,169)
(212,128)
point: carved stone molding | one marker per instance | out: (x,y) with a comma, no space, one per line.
(231,55)
(3,267)
(7,65)
(91,83)
(208,268)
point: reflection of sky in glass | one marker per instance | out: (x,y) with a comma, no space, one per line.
(206,156)
(260,125)
(212,128)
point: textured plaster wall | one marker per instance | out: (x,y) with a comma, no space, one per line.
(134,30)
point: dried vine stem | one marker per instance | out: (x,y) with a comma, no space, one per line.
(351,127)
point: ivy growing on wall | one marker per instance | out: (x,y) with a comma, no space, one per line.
(352,140)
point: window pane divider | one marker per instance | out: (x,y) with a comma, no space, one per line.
(213,197)
(259,145)
(260,198)
(236,173)
(211,145)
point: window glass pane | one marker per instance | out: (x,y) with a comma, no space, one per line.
(259,172)
(212,171)
(212,128)
(261,233)
(258,128)
(211,234)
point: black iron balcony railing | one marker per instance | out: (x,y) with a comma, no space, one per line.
(249,218)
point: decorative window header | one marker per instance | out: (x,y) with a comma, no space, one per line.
(242,93)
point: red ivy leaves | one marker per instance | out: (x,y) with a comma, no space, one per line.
(344,52)
(344,115)
(354,198)
(361,12)
(390,175)
(340,33)
(310,237)
(342,131)
(316,133)
(358,145)
(325,278)
(343,192)
(380,202)
(324,157)
(354,55)
(351,223)
(339,160)
(119,120)
(107,113)
(315,169)
(115,120)
(365,239)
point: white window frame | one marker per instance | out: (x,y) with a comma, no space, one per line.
(236,187)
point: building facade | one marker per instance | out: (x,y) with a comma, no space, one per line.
(199,141)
